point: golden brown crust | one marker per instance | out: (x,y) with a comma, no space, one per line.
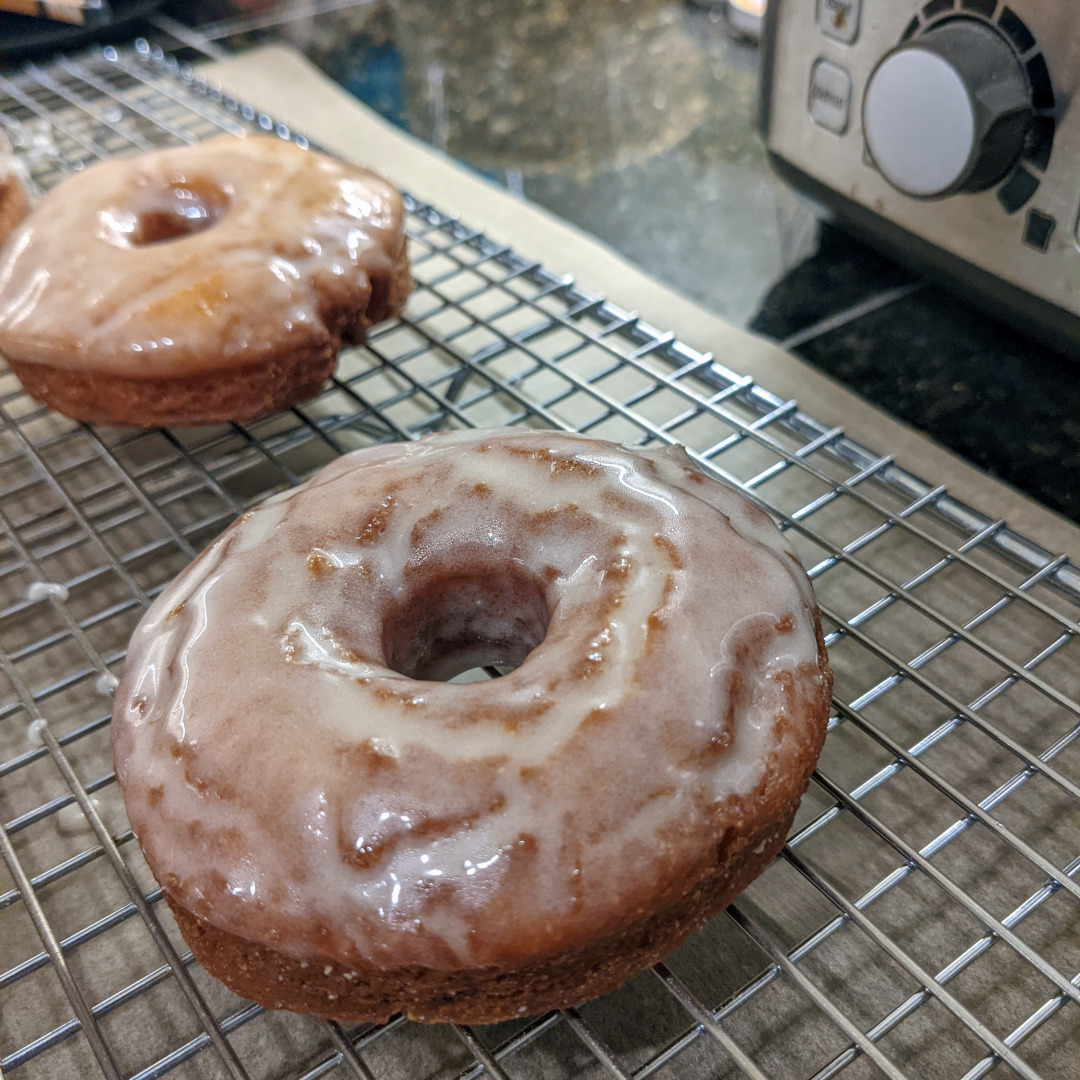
(357,991)
(231,393)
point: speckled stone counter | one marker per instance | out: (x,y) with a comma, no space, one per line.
(1006,403)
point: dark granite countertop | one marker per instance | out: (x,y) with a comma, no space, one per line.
(635,120)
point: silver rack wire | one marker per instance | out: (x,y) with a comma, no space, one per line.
(923,919)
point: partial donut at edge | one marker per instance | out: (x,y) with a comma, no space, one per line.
(112,313)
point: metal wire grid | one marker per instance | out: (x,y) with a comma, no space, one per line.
(923,918)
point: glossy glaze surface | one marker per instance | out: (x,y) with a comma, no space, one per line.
(183,260)
(290,781)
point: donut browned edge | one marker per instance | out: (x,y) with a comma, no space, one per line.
(213,396)
(360,992)
(13,205)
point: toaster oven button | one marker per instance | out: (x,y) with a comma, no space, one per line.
(830,96)
(839,19)
(1038,229)
(948,111)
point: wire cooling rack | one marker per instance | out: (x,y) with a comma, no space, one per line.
(923,919)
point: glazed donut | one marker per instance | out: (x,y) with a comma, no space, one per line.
(13,200)
(339,832)
(199,285)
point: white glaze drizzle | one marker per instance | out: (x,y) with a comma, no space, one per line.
(559,789)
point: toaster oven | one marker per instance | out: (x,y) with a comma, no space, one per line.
(944,131)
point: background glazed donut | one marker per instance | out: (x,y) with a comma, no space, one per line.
(201,284)
(337,832)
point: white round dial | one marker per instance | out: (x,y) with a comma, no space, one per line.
(919,122)
(947,111)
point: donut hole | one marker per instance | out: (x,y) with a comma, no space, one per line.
(182,208)
(455,622)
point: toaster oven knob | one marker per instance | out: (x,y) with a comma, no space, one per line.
(947,111)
